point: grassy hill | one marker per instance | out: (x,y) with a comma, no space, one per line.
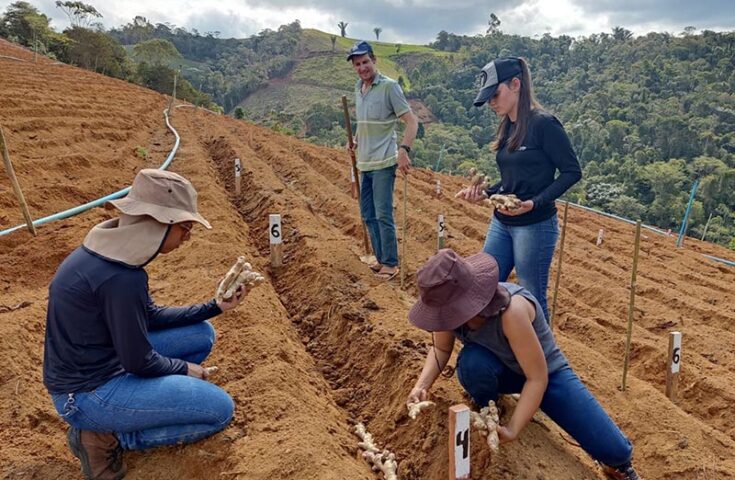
(323,75)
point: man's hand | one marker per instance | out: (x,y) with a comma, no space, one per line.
(233,301)
(351,149)
(524,207)
(404,163)
(196,371)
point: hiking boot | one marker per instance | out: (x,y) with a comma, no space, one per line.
(100,454)
(624,472)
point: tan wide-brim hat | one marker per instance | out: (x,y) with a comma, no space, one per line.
(166,196)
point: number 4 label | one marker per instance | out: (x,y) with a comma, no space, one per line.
(459,442)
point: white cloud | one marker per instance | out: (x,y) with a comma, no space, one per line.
(416,21)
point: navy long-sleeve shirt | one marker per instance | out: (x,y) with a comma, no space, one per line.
(529,171)
(99,315)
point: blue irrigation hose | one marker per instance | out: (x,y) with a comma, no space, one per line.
(622,219)
(100,201)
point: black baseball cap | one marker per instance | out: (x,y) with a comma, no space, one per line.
(493,74)
(360,48)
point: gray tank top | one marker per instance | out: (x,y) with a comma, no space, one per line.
(491,336)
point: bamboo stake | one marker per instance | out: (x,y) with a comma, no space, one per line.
(351,143)
(706,226)
(558,265)
(405,230)
(632,301)
(16,186)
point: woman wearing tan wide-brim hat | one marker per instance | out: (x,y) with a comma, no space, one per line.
(123,372)
(508,348)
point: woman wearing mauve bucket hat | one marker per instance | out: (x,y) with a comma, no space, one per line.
(123,372)
(508,348)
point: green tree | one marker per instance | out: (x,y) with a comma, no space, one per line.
(493,24)
(80,14)
(24,24)
(239,113)
(156,52)
(333,38)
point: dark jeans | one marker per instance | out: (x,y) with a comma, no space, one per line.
(528,248)
(376,206)
(152,412)
(566,401)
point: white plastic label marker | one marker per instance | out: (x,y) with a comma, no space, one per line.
(441,227)
(675,352)
(238,168)
(274,229)
(459,442)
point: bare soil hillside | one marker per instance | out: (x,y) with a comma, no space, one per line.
(322,343)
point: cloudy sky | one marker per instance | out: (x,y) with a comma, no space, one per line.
(415,21)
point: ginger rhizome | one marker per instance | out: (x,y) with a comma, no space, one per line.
(509,201)
(487,422)
(415,408)
(241,274)
(382,461)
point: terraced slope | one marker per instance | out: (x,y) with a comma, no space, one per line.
(323,343)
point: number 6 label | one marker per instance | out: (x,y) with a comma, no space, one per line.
(274,229)
(676,352)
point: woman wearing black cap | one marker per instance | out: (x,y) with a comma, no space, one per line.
(508,348)
(531,147)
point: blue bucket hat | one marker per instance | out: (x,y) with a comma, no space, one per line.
(493,74)
(360,48)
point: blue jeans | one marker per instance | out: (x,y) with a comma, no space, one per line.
(528,248)
(376,207)
(152,412)
(566,401)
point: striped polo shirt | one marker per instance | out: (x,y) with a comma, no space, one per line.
(378,110)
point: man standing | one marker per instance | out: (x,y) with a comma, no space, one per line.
(379,102)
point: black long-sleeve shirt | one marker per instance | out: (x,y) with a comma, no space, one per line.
(99,315)
(529,171)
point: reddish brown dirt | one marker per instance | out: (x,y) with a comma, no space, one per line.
(322,343)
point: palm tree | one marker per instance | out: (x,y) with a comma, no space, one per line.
(377,31)
(343,28)
(333,38)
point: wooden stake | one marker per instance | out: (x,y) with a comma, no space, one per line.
(459,442)
(355,190)
(276,240)
(440,232)
(16,186)
(600,237)
(405,230)
(706,226)
(558,265)
(238,170)
(355,174)
(632,301)
(673,365)
(173,97)
(438,188)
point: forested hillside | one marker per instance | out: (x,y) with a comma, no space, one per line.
(647,115)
